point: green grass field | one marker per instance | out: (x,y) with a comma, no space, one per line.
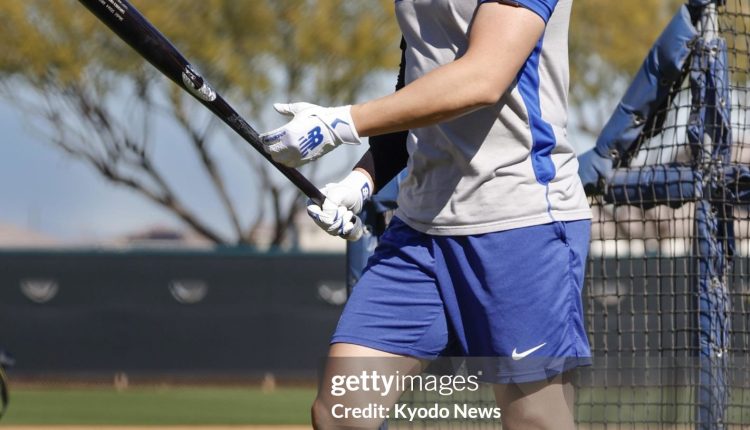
(221,406)
(157,406)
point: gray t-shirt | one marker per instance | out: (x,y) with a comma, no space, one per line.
(501,167)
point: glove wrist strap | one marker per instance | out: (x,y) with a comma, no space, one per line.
(359,181)
(339,121)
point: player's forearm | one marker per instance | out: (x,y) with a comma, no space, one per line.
(501,40)
(437,97)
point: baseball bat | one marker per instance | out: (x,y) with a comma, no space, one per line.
(133,28)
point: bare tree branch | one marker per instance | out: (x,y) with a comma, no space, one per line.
(120,151)
(198,140)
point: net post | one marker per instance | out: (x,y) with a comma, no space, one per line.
(711,141)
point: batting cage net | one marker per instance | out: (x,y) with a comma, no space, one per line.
(667,296)
(667,292)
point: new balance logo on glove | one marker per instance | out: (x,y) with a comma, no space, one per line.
(312,140)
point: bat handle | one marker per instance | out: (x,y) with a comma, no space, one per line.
(318,198)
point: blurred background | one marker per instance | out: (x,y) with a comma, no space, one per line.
(143,244)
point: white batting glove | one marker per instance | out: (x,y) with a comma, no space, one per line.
(313,132)
(344,200)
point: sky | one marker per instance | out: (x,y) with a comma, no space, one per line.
(43,189)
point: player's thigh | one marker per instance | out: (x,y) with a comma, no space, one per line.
(546,404)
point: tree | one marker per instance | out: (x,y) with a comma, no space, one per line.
(98,100)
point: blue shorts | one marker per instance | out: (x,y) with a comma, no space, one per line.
(513,295)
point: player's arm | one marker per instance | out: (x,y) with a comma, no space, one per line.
(500,41)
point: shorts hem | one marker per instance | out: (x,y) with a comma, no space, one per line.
(537,374)
(384,347)
(502,377)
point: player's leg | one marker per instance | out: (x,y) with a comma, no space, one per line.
(335,406)
(541,405)
(394,319)
(549,402)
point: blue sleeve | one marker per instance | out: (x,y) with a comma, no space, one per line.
(543,8)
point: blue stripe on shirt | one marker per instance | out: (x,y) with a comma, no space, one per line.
(542,135)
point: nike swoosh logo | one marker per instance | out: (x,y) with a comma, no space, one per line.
(519,355)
